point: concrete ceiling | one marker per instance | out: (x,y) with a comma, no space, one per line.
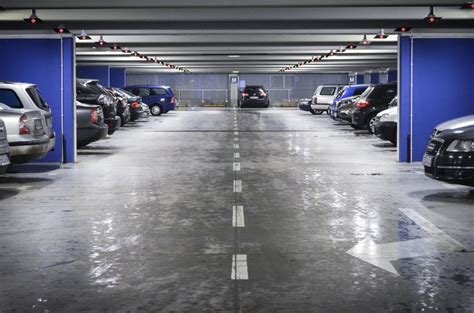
(223,36)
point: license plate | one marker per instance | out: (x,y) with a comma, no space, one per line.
(253,97)
(38,124)
(427,160)
(4,160)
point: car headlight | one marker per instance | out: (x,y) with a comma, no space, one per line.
(461,146)
(384,117)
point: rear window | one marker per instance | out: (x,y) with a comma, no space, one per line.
(383,92)
(96,89)
(37,98)
(158,92)
(10,98)
(327,91)
(341,92)
(254,90)
(359,91)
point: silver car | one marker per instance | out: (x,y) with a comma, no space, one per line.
(4,148)
(26,133)
(28,96)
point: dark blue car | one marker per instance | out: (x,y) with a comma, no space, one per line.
(160,99)
(347,91)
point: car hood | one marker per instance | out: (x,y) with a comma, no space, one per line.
(461,122)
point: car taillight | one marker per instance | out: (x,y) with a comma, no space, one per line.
(135,105)
(315,100)
(173,99)
(24,128)
(94,116)
(245,94)
(263,94)
(362,104)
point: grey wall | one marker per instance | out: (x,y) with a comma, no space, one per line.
(214,87)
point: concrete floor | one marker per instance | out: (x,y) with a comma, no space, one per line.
(144,223)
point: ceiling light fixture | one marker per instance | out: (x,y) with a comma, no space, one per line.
(381,35)
(402,29)
(33,19)
(350,47)
(84,36)
(135,53)
(61,29)
(126,50)
(468,6)
(331,53)
(432,18)
(233,56)
(341,49)
(365,41)
(101,41)
(115,47)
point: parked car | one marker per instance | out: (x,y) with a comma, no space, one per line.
(323,97)
(123,107)
(90,124)
(344,108)
(374,100)
(385,126)
(146,110)
(19,96)
(135,103)
(4,148)
(89,91)
(345,92)
(449,156)
(161,99)
(304,104)
(26,133)
(254,96)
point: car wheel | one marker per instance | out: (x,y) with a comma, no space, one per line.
(312,111)
(156,110)
(371,124)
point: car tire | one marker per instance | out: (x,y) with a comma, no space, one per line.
(371,124)
(156,109)
(165,111)
(312,111)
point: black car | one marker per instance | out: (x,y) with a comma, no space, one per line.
(374,100)
(344,108)
(305,104)
(385,126)
(254,96)
(135,103)
(449,156)
(123,108)
(89,91)
(89,123)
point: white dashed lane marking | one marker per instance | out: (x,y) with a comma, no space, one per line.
(239,267)
(237,155)
(236,146)
(236,166)
(236,139)
(237,186)
(236,133)
(238,219)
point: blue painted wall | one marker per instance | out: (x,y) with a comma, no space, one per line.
(38,61)
(443,76)
(117,77)
(374,78)
(360,79)
(102,73)
(404,120)
(392,76)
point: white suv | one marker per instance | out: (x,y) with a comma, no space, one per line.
(323,97)
(25,96)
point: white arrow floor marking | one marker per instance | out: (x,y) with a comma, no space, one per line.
(380,255)
(239,267)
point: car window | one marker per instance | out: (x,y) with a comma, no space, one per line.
(253,90)
(158,92)
(143,92)
(328,91)
(37,98)
(394,102)
(341,92)
(10,98)
(96,89)
(359,91)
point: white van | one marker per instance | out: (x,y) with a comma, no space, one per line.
(323,97)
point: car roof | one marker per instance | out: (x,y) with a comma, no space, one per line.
(84,81)
(6,82)
(149,86)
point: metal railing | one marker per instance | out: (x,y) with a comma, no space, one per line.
(203,95)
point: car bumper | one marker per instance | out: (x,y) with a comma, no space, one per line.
(113,124)
(386,131)
(52,141)
(452,167)
(169,106)
(90,134)
(320,107)
(24,151)
(254,103)
(304,107)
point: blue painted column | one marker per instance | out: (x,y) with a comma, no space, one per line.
(437,88)
(48,63)
(374,78)
(359,78)
(101,73)
(117,77)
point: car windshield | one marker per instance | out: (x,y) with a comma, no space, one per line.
(37,98)
(327,91)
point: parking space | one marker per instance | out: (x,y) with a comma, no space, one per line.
(140,225)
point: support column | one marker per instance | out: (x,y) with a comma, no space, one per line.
(117,77)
